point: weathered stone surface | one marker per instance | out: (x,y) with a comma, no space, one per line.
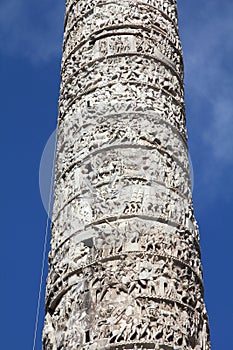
(125,269)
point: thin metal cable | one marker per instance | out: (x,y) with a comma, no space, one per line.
(44,248)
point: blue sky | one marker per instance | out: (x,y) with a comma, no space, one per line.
(30,53)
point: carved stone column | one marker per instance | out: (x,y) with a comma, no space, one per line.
(125,270)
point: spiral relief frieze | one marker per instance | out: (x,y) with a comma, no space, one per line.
(125,261)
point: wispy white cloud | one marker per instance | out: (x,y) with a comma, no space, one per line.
(31,29)
(220,135)
(208,55)
(207,31)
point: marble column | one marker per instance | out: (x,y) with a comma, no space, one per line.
(125,269)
